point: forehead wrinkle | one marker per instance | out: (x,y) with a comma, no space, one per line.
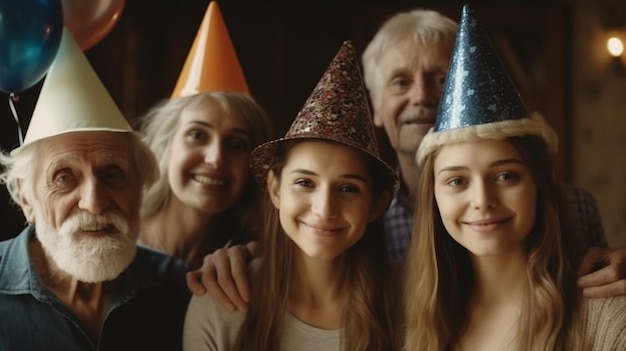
(98,157)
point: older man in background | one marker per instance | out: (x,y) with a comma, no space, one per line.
(405,66)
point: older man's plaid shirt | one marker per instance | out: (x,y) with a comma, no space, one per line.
(584,215)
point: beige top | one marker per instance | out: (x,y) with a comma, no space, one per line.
(208,326)
(605,321)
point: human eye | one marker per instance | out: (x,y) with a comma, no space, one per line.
(63,177)
(507,176)
(239,145)
(349,188)
(113,173)
(440,80)
(195,135)
(304,183)
(456,182)
(399,84)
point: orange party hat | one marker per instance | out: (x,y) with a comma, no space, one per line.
(212,63)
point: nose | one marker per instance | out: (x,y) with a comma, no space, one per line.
(93,196)
(424,93)
(324,204)
(484,196)
(214,154)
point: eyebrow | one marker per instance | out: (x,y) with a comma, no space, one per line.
(348,175)
(237,130)
(398,71)
(106,157)
(493,164)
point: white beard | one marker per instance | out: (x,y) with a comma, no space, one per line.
(89,259)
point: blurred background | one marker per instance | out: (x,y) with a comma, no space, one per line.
(556,52)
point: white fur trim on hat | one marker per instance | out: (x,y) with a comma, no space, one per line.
(534,125)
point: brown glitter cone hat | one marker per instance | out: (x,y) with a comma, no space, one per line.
(336,110)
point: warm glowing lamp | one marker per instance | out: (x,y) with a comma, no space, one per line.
(615,46)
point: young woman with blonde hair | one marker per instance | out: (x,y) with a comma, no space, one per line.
(492,261)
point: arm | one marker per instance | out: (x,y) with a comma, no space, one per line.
(602,271)
(208,326)
(224,275)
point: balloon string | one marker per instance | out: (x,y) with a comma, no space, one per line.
(12,99)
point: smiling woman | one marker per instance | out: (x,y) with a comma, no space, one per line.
(202,136)
(492,260)
(206,196)
(323,281)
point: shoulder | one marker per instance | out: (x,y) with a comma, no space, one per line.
(579,201)
(209,326)
(15,262)
(606,308)
(605,322)
(157,263)
(583,215)
(577,195)
(152,268)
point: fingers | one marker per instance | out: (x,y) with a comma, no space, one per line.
(194,282)
(204,280)
(254,249)
(614,289)
(233,277)
(609,280)
(224,275)
(599,278)
(594,257)
(217,279)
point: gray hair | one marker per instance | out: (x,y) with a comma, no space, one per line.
(20,168)
(160,124)
(422,27)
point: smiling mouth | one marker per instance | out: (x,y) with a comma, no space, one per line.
(99,230)
(204,180)
(322,230)
(487,225)
(419,122)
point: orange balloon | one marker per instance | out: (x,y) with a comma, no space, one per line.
(91,20)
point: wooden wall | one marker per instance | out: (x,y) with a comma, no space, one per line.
(285,46)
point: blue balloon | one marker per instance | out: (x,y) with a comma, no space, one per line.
(30,33)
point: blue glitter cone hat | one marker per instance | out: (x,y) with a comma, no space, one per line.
(479,100)
(336,110)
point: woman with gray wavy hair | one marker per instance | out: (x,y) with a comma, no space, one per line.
(205,197)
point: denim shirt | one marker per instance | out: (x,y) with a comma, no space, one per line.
(146,313)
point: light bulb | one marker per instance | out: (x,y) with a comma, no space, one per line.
(615,46)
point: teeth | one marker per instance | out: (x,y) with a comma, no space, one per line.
(208,180)
(94,228)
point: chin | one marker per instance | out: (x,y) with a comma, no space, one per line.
(103,264)
(96,259)
(89,259)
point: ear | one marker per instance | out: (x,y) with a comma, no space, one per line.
(273,188)
(378,119)
(25,205)
(379,207)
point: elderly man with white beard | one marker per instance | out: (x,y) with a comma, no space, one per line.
(74,279)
